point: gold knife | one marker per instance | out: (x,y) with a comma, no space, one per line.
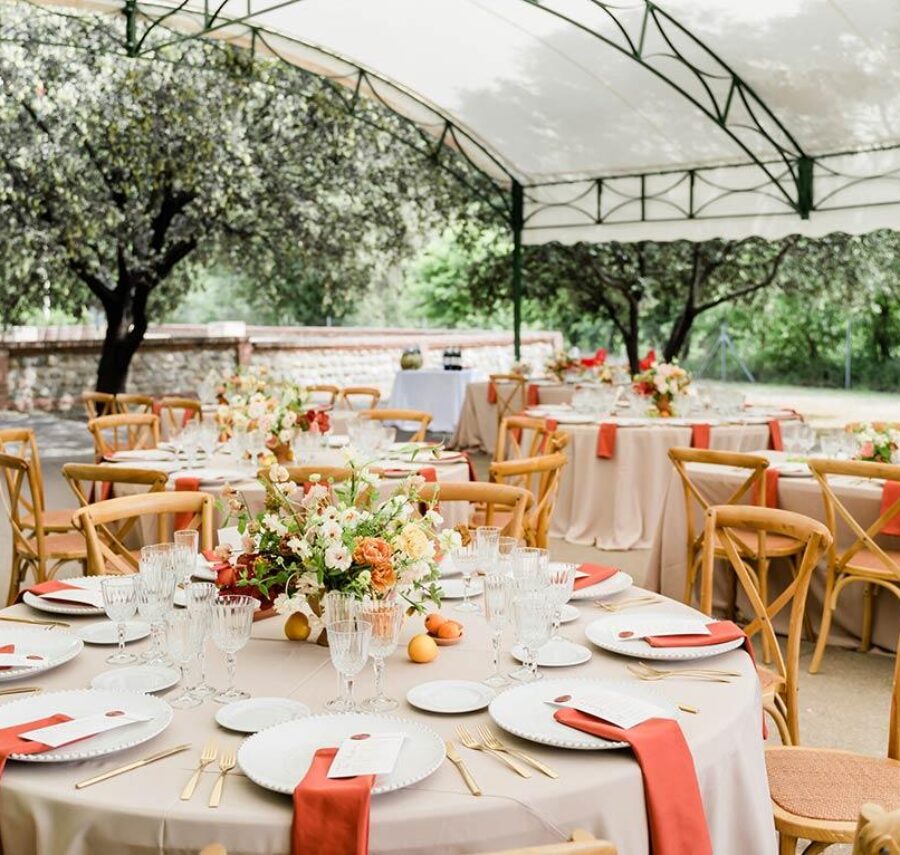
(16,690)
(457,761)
(34,622)
(136,765)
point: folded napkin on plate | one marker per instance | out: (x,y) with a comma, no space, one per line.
(675,816)
(49,587)
(606,440)
(890,494)
(188,485)
(11,743)
(769,497)
(331,815)
(720,631)
(775,441)
(596,573)
(700,435)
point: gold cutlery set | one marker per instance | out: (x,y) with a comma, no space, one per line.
(629,603)
(128,767)
(47,624)
(208,755)
(651,673)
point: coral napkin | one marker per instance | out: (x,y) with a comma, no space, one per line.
(596,573)
(532,395)
(700,435)
(775,441)
(889,494)
(50,587)
(7,648)
(331,815)
(720,631)
(606,440)
(769,488)
(675,814)
(492,393)
(190,485)
(10,743)
(550,425)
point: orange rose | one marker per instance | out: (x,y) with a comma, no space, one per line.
(384,577)
(372,551)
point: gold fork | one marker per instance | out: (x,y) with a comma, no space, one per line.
(492,742)
(649,676)
(226,764)
(632,603)
(210,750)
(471,742)
(717,672)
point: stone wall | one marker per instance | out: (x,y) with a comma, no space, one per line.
(47,369)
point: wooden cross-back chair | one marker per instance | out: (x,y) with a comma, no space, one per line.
(327,393)
(817,793)
(581,843)
(540,475)
(307,476)
(509,392)
(526,436)
(33,547)
(495,499)
(127,402)
(108,555)
(864,561)
(877,831)
(367,397)
(724,536)
(175,412)
(21,442)
(124,431)
(98,404)
(420,417)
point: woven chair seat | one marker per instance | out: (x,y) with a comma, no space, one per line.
(71,543)
(55,520)
(776,544)
(872,565)
(818,783)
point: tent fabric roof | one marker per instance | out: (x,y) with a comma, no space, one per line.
(626,121)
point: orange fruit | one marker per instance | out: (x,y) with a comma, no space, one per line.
(449,629)
(296,627)
(434,621)
(422,649)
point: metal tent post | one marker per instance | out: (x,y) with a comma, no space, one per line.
(517,221)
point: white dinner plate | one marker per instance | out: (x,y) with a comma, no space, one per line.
(278,758)
(569,613)
(557,654)
(107,632)
(159,455)
(523,711)
(60,608)
(454,589)
(450,696)
(54,648)
(82,702)
(793,470)
(621,581)
(255,714)
(578,419)
(137,678)
(212,474)
(604,632)
(448,457)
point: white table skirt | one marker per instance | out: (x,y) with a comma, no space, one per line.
(435,391)
(41,813)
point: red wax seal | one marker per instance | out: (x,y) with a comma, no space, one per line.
(114,713)
(626,633)
(562,699)
(360,736)
(35,656)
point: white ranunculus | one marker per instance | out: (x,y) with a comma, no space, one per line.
(337,557)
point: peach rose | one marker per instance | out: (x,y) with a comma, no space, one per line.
(384,577)
(372,551)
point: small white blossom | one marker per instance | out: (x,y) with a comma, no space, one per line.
(337,557)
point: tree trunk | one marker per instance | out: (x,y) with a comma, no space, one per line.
(126,325)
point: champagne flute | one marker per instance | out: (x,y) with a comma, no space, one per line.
(561,579)
(496,612)
(487,545)
(199,598)
(187,545)
(184,635)
(348,644)
(120,604)
(232,621)
(465,559)
(386,619)
(338,606)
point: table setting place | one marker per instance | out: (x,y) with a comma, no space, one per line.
(332,760)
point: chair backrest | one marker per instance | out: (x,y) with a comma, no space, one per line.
(302,474)
(494,497)
(581,843)
(20,488)
(175,412)
(864,538)
(721,520)
(359,397)
(523,436)
(509,392)
(540,475)
(124,431)
(127,402)
(894,724)
(324,393)
(21,442)
(98,404)
(420,416)
(111,556)
(877,831)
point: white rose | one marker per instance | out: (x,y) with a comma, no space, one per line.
(337,556)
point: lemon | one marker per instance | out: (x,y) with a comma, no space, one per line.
(296,627)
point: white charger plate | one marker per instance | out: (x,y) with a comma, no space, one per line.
(143,454)
(59,608)
(212,474)
(82,702)
(621,581)
(454,589)
(278,758)
(450,697)
(557,654)
(255,714)
(56,648)
(604,632)
(107,632)
(143,679)
(523,711)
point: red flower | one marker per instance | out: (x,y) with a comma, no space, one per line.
(648,360)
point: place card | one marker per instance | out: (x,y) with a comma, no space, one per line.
(230,536)
(663,625)
(81,596)
(56,735)
(367,754)
(623,711)
(22,660)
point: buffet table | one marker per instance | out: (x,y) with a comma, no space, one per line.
(41,812)
(434,391)
(802,495)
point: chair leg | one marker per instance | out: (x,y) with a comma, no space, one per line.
(762,574)
(786,845)
(808,632)
(15,579)
(827,608)
(865,642)
(780,722)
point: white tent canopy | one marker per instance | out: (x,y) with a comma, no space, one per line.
(692,119)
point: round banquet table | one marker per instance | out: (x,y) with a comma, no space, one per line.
(434,391)
(140,812)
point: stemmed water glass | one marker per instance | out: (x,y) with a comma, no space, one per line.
(190,441)
(386,619)
(184,553)
(232,621)
(338,606)
(529,567)
(120,604)
(532,617)
(487,544)
(154,587)
(466,560)
(506,546)
(348,644)
(496,612)
(208,436)
(184,635)
(199,598)
(561,583)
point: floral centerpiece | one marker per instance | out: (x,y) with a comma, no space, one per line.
(563,364)
(244,383)
(337,537)
(877,442)
(559,364)
(662,383)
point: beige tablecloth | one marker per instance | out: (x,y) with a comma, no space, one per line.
(140,813)
(802,495)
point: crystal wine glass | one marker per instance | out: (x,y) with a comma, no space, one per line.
(348,644)
(120,604)
(386,619)
(154,589)
(506,546)
(232,621)
(187,545)
(561,579)
(496,612)
(190,441)
(184,635)
(465,559)
(338,606)
(529,567)
(199,598)
(487,545)
(532,616)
